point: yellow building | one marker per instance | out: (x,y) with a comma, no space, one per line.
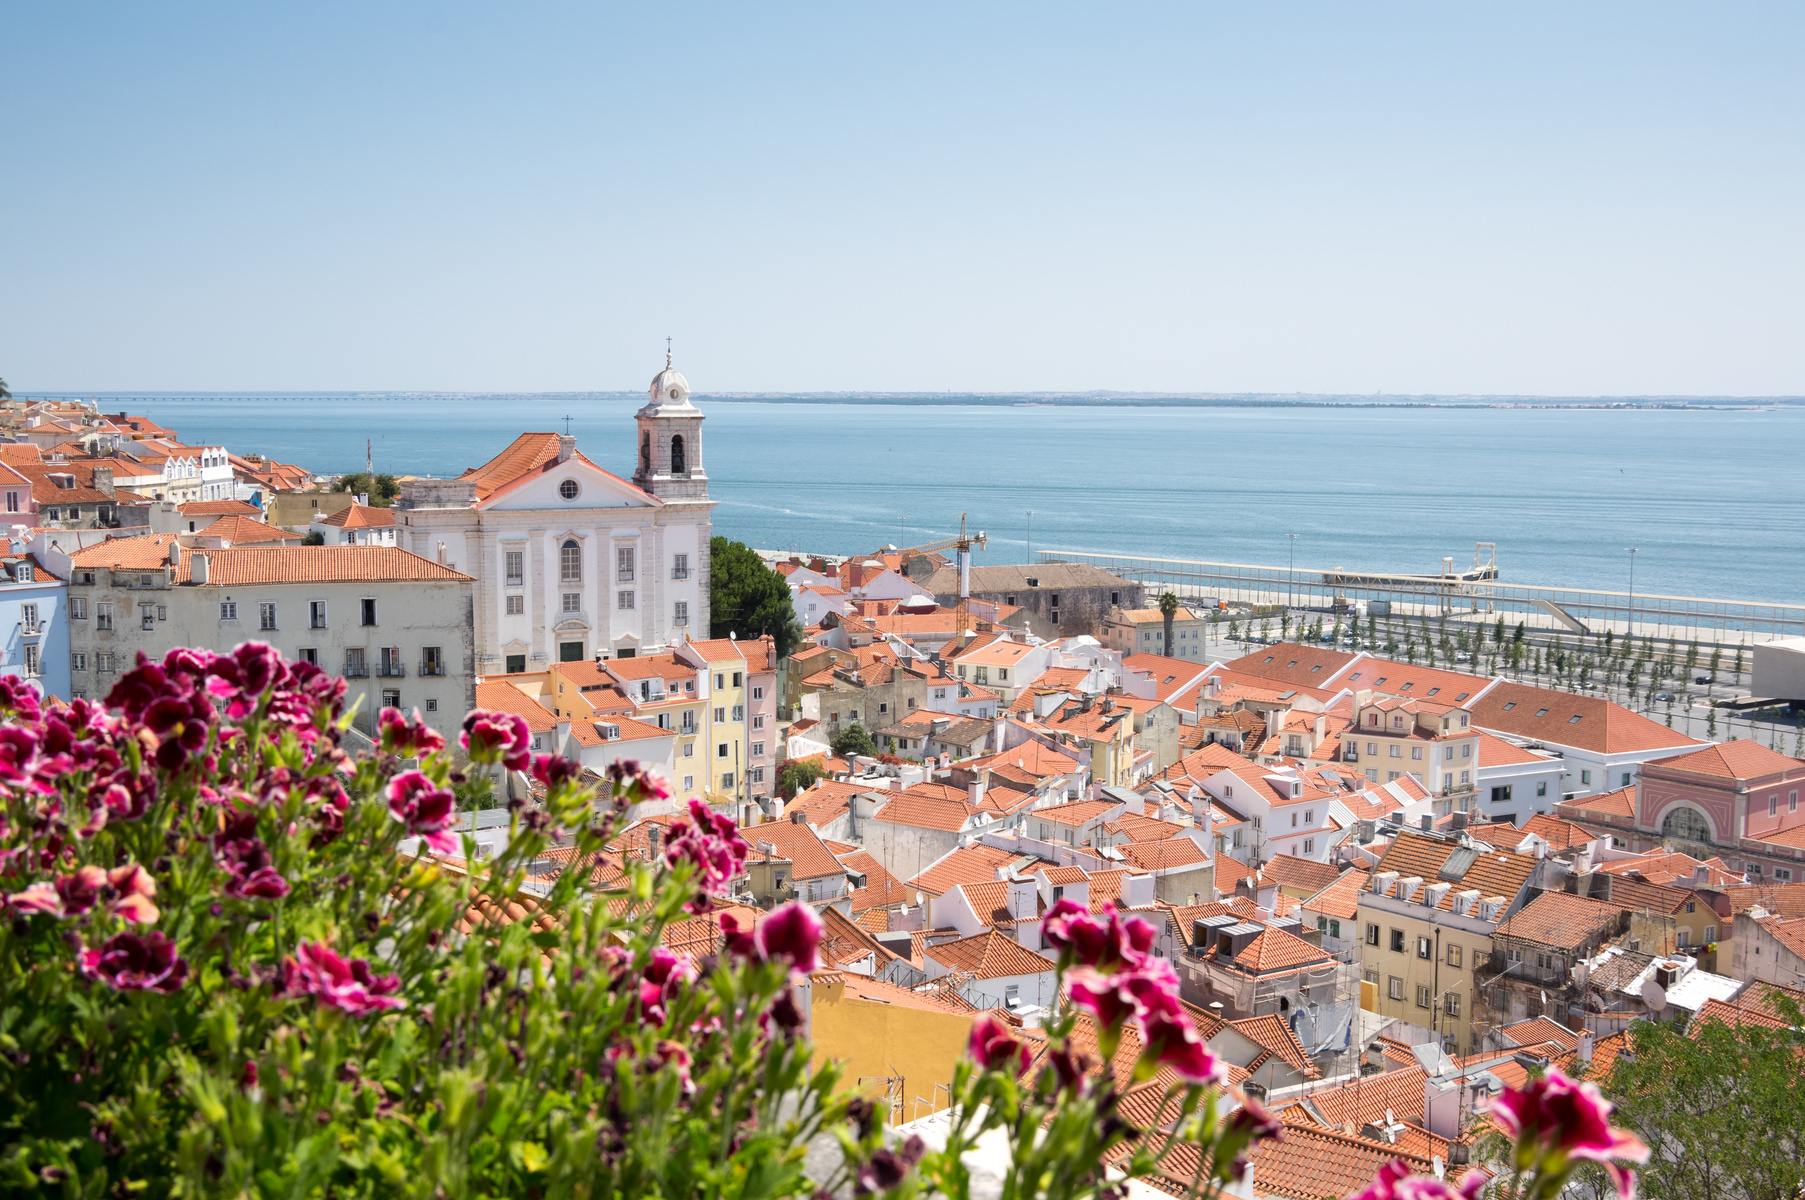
(1426,922)
(895,1046)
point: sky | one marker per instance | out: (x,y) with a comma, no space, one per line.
(1543,199)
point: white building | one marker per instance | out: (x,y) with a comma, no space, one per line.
(358,525)
(1515,782)
(395,625)
(571,561)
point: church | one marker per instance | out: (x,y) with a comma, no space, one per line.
(571,561)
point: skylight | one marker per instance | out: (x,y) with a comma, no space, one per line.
(1406,687)
(1541,712)
(1573,719)
(1432,691)
(1510,706)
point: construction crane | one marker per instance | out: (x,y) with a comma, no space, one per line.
(963,544)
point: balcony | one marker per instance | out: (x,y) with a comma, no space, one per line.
(516,581)
(390,671)
(432,668)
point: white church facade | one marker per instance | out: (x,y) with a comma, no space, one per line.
(572,562)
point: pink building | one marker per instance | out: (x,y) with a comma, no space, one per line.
(1739,798)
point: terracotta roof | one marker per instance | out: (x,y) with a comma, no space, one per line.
(968,864)
(926,812)
(1734,1014)
(239,530)
(1287,870)
(1076,813)
(809,856)
(877,991)
(1603,727)
(245,566)
(1162,856)
(1231,871)
(844,942)
(361,516)
(1497,873)
(1670,866)
(1292,664)
(1561,921)
(1741,759)
(1494,751)
(1365,1100)
(1620,803)
(586,733)
(1341,899)
(135,553)
(990,955)
(1541,1029)
(1274,1034)
(1637,894)
(505,697)
(1562,835)
(218,508)
(1276,950)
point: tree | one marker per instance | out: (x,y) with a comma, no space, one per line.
(5,393)
(1498,633)
(1720,1106)
(381,496)
(314,538)
(1711,723)
(798,777)
(853,740)
(1168,609)
(1518,634)
(747,598)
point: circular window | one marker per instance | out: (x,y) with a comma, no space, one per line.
(568,489)
(674,393)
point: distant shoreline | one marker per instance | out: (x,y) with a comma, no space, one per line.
(996,399)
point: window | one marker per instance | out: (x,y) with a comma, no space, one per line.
(1397,988)
(1792,802)
(758,721)
(570,562)
(12,502)
(516,605)
(103,615)
(1466,751)
(391,698)
(78,610)
(573,602)
(1453,955)
(1773,805)
(354,663)
(569,489)
(1710,933)
(1416,752)
(739,713)
(758,693)
(316,614)
(368,614)
(1500,794)
(720,715)
(28,617)
(1542,788)
(1425,948)
(689,748)
(758,749)
(1309,816)
(1397,941)
(726,780)
(78,662)
(1372,747)
(680,613)
(623,564)
(388,662)
(1781,874)
(31,659)
(514,567)
(310,655)
(1585,778)
(1451,1004)
(680,567)
(624,601)
(720,682)
(266,615)
(1424,997)
(1372,934)
(736,678)
(1335,929)
(720,751)
(1309,845)
(1397,751)
(103,662)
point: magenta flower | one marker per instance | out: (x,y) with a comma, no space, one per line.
(1556,1120)
(993,1046)
(1394,1182)
(712,844)
(1173,1042)
(18,752)
(790,933)
(80,891)
(554,770)
(408,738)
(638,781)
(181,724)
(425,808)
(663,980)
(1105,945)
(262,883)
(337,982)
(38,898)
(17,697)
(134,887)
(130,962)
(736,942)
(501,737)
(260,667)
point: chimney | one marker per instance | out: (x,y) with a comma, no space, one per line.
(1275,722)
(1586,1042)
(1701,875)
(441,554)
(1085,702)
(103,482)
(1441,1108)
(197,569)
(1427,821)
(175,555)
(974,793)
(567,444)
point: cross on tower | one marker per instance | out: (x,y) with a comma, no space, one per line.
(667,351)
(567,421)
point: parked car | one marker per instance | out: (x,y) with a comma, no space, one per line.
(1702,679)
(1663,696)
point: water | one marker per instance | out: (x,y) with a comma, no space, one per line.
(1710,498)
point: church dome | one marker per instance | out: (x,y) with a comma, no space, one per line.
(669,386)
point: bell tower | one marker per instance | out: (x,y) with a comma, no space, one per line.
(668,457)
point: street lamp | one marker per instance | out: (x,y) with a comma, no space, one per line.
(1030,537)
(1291,573)
(1632,617)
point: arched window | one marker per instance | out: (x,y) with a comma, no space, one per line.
(1686,825)
(645,453)
(570,562)
(677,466)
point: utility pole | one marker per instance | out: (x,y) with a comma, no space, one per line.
(1291,573)
(1632,617)
(1030,537)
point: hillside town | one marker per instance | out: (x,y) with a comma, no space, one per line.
(1388,890)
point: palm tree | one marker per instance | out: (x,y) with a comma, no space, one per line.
(1168,608)
(4,393)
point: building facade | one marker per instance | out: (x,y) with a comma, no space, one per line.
(572,562)
(35,627)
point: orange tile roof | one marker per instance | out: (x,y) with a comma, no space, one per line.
(1076,813)
(809,856)
(968,864)
(361,516)
(1557,833)
(212,508)
(1230,871)
(1494,751)
(1288,870)
(1661,866)
(1541,1029)
(505,697)
(1603,727)
(1272,1032)
(135,553)
(990,955)
(1741,759)
(1638,895)
(1620,803)
(1341,899)
(586,734)
(1163,856)
(245,566)
(1561,921)
(1498,873)
(1292,664)
(239,530)
(1277,950)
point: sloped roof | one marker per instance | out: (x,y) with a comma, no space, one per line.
(1561,921)
(1494,751)
(1620,803)
(1293,664)
(505,697)
(1541,1029)
(1741,759)
(990,955)
(1495,873)
(238,529)
(1341,899)
(1277,950)
(361,516)
(1287,870)
(1557,833)
(529,455)
(1274,1034)
(218,508)
(809,856)
(1163,856)
(1546,715)
(968,864)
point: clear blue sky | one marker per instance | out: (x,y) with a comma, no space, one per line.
(1553,198)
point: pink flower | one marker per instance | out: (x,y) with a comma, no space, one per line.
(663,980)
(407,738)
(994,1047)
(1394,1182)
(181,724)
(1173,1042)
(263,883)
(1560,1119)
(554,769)
(790,933)
(260,667)
(18,752)
(637,781)
(18,698)
(129,962)
(38,898)
(344,984)
(735,942)
(1105,945)
(425,808)
(712,844)
(497,737)
(135,888)
(79,891)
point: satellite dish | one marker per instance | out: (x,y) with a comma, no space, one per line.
(1389,1119)
(1654,995)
